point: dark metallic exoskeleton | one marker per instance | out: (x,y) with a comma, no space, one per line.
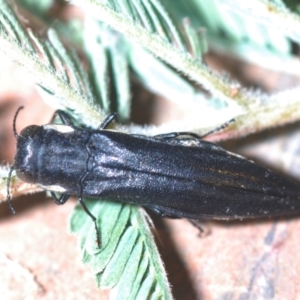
(176,174)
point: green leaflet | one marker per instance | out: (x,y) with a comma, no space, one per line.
(127,261)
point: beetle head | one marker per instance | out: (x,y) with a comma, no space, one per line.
(26,158)
(24,141)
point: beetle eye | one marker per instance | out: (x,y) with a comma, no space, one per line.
(29,131)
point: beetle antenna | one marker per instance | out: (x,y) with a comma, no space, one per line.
(8,190)
(14,122)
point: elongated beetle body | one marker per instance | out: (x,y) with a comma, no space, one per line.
(173,175)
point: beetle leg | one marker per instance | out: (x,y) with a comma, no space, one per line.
(203,230)
(161,213)
(173,135)
(92,217)
(65,119)
(108,120)
(223,126)
(62,198)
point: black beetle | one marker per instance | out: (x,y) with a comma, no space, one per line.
(176,175)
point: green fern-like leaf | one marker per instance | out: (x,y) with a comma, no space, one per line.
(249,107)
(127,260)
(54,73)
(107,52)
